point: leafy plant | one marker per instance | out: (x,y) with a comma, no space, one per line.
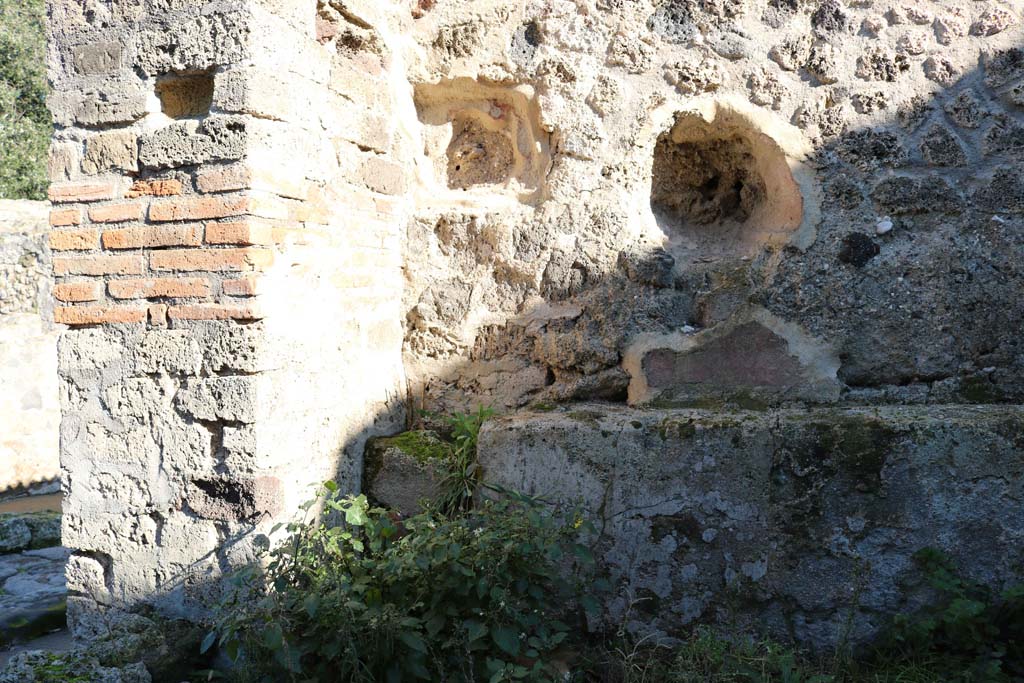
(478,597)
(972,627)
(464,475)
(24,120)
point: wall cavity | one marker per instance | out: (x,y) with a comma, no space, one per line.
(481,143)
(720,187)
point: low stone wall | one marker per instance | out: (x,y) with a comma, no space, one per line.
(801,523)
(29,407)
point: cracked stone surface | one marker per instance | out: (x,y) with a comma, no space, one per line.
(772,519)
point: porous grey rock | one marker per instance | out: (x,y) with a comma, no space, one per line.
(822,63)
(114,102)
(881,65)
(219,138)
(111,151)
(940,70)
(792,54)
(950,26)
(234,498)
(1004,135)
(941,148)
(965,110)
(29,530)
(992,21)
(904,195)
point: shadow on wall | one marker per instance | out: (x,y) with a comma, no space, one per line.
(904,291)
(903,288)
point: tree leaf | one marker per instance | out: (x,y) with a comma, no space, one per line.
(474,629)
(272,637)
(506,638)
(356,515)
(413,640)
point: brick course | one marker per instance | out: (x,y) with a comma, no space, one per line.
(243,233)
(99,265)
(73,292)
(83,191)
(198,208)
(249,311)
(74,240)
(153,236)
(215,260)
(116,213)
(155,188)
(60,218)
(98,315)
(152,288)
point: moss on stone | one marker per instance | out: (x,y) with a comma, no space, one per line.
(422,445)
(57,669)
(29,530)
(980,390)
(855,446)
(589,417)
(680,429)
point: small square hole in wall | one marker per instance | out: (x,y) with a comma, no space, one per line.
(184,96)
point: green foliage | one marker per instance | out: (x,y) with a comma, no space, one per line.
(478,597)
(24,120)
(971,634)
(972,628)
(464,475)
(705,657)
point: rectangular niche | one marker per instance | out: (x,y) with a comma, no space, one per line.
(185,95)
(481,142)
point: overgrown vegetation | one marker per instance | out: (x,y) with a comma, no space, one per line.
(464,475)
(971,628)
(481,589)
(24,120)
(970,634)
(479,596)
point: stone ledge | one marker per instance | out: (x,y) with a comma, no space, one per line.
(784,520)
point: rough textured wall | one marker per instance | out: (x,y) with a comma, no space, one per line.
(228,262)
(751,201)
(29,411)
(797,208)
(282,222)
(800,524)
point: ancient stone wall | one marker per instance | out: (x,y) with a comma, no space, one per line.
(742,201)
(282,226)
(29,411)
(227,258)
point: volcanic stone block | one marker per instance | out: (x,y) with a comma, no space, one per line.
(750,361)
(227,499)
